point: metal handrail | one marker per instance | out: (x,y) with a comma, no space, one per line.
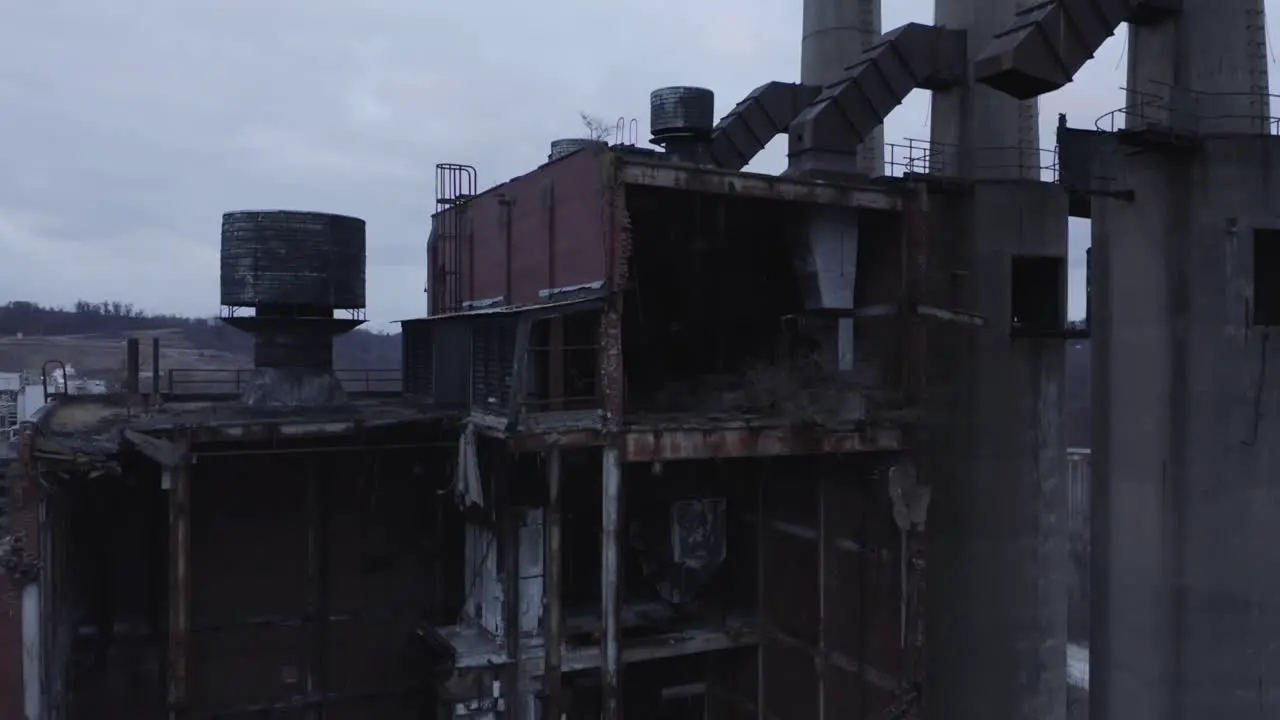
(231,381)
(1161,108)
(925,157)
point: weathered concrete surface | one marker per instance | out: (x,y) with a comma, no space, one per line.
(998,564)
(835,34)
(1186,600)
(976,131)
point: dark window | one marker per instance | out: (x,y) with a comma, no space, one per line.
(1038,295)
(1266,277)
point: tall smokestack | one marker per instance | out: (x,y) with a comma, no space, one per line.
(292,270)
(978,132)
(836,32)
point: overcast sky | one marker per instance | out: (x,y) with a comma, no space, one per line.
(126,129)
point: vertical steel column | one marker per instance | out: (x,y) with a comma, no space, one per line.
(762,546)
(824,625)
(509,554)
(155,371)
(551,591)
(318,586)
(132,366)
(177,480)
(610,582)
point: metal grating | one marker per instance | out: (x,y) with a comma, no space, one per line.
(418,362)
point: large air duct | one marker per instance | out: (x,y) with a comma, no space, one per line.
(291,271)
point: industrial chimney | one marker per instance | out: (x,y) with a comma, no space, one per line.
(284,273)
(681,120)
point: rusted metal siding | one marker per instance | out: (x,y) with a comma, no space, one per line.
(278,542)
(543,230)
(830,641)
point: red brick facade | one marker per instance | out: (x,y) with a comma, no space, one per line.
(24,519)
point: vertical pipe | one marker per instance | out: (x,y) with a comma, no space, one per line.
(132,365)
(155,371)
(610,581)
(507,259)
(762,544)
(823,624)
(509,542)
(177,478)
(556,363)
(551,589)
(317,588)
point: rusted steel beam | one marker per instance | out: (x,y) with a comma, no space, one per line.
(132,365)
(155,371)
(724,182)
(552,606)
(177,479)
(610,585)
(660,443)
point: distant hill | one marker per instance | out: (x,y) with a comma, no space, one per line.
(90,337)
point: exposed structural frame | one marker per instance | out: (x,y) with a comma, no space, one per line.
(1048,43)
(845,113)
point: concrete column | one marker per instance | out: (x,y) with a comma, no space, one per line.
(1186,609)
(1186,605)
(611,585)
(977,132)
(176,480)
(836,32)
(997,526)
(552,608)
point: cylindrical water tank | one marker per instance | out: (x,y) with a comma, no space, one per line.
(568,146)
(293,259)
(681,110)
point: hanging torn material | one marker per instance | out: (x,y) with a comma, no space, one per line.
(467,489)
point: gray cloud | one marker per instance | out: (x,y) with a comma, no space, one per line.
(125,133)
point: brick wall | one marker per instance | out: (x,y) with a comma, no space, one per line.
(24,519)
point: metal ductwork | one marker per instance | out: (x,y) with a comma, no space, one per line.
(763,114)
(1049,42)
(827,133)
(681,120)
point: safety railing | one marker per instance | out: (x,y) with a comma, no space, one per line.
(229,312)
(190,381)
(1184,113)
(924,157)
